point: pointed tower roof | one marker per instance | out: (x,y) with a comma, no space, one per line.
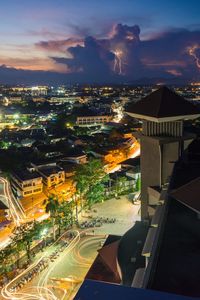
(163,105)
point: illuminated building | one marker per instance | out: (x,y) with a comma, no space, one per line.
(39,91)
(25,183)
(52,175)
(92,120)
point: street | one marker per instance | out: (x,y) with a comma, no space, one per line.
(63,276)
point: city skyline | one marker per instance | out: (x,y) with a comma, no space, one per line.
(71,40)
(99,149)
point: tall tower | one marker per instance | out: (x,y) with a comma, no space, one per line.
(163,139)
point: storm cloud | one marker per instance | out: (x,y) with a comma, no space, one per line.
(91,59)
(175,53)
(122,56)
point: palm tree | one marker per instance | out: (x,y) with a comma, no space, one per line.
(24,235)
(51,207)
(65,215)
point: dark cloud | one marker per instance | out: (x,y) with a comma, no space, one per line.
(176,49)
(125,42)
(91,59)
(100,58)
(123,56)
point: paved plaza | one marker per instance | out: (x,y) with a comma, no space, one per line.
(123,210)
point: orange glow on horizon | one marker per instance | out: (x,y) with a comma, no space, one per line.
(34,64)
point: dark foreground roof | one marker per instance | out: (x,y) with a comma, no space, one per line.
(188,194)
(130,246)
(163,103)
(91,290)
(176,268)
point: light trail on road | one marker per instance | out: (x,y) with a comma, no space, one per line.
(44,290)
(41,291)
(17,214)
(43,282)
(78,257)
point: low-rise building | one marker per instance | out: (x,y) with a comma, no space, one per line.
(51,175)
(69,168)
(75,155)
(93,120)
(25,183)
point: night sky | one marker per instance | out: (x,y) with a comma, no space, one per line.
(107,40)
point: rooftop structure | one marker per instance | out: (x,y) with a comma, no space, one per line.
(163,138)
(163,105)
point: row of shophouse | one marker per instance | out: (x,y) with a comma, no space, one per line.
(38,178)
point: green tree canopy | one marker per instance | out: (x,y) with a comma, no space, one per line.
(51,207)
(95,195)
(89,180)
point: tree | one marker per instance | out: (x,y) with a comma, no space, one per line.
(63,123)
(24,235)
(95,194)
(86,177)
(89,174)
(18,246)
(4,145)
(45,226)
(65,215)
(51,207)
(120,185)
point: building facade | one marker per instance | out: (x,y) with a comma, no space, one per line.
(92,120)
(25,183)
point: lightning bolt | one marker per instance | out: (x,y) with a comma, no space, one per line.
(192,52)
(118,61)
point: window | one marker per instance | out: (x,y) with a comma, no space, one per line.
(27,184)
(27,192)
(37,190)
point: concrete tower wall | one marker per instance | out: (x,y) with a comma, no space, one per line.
(170,154)
(157,162)
(150,169)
